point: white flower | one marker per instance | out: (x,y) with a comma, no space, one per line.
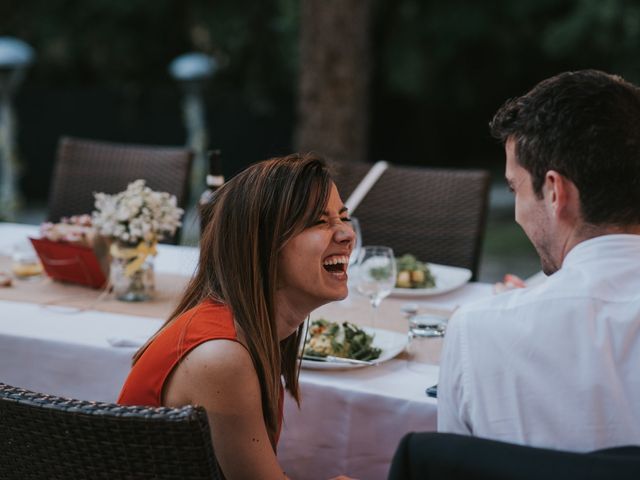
(136,214)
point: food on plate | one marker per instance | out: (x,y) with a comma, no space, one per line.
(339,340)
(413,273)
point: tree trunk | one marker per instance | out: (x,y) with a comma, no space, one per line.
(334,78)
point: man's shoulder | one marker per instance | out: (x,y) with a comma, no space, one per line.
(498,303)
(502,308)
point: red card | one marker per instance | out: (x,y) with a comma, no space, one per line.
(70,263)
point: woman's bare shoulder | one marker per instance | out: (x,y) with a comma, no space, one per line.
(219,354)
(222,368)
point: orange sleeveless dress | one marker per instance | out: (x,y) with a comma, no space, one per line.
(206,321)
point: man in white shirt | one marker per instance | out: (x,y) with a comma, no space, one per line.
(558,365)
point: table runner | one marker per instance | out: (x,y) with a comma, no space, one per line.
(43,290)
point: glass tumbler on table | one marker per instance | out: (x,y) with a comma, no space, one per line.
(422,328)
(376,275)
(25,263)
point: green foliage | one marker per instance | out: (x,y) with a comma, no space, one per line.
(131,42)
(600,28)
(443,68)
(428,43)
(431,51)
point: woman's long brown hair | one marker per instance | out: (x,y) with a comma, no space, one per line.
(251,218)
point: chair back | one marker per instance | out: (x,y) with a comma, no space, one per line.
(43,436)
(444,456)
(436,214)
(87,166)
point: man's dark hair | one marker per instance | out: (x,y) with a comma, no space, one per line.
(586,126)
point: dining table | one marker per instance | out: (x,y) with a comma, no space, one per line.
(72,341)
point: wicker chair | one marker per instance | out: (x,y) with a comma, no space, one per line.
(87,166)
(438,215)
(43,436)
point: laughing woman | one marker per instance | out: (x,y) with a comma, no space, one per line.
(275,249)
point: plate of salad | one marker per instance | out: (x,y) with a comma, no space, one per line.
(343,341)
(421,279)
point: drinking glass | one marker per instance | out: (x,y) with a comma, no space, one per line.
(422,327)
(376,275)
(25,262)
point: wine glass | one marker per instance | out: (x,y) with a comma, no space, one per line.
(357,246)
(376,275)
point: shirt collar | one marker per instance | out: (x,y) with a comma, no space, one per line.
(619,244)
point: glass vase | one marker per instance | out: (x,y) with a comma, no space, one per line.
(135,285)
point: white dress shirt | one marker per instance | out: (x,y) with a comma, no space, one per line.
(557,365)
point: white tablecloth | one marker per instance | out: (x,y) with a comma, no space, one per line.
(350,421)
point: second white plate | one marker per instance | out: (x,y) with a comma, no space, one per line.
(447,279)
(391,343)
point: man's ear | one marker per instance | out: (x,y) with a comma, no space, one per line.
(561,195)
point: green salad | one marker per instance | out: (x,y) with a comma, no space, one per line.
(413,273)
(340,340)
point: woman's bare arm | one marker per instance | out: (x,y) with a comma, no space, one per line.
(219,375)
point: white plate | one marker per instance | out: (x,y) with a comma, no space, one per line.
(392,344)
(447,279)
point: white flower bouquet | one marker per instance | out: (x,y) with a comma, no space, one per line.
(138,214)
(135,220)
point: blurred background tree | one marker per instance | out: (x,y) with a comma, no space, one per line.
(334,73)
(438,71)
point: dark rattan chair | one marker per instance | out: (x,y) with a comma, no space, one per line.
(439,215)
(87,166)
(443,456)
(43,436)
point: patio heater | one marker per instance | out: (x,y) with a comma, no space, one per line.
(15,57)
(193,70)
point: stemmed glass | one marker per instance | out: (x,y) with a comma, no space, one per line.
(376,275)
(357,246)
